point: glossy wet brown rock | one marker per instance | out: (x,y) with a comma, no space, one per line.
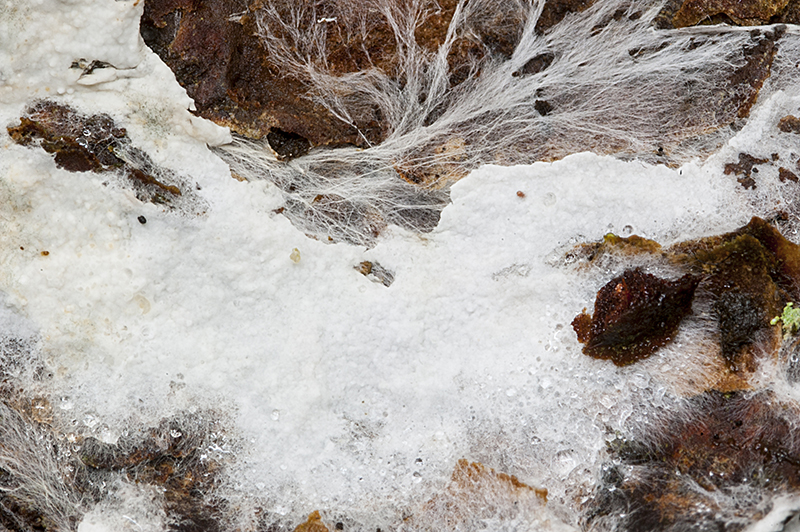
(634,314)
(740,280)
(82,143)
(213,49)
(675,478)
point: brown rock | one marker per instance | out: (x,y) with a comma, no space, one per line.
(554,12)
(213,49)
(168,456)
(742,12)
(94,143)
(745,167)
(789,124)
(743,280)
(750,77)
(634,314)
(784,174)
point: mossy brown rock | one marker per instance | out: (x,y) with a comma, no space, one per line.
(683,13)
(741,279)
(169,456)
(215,53)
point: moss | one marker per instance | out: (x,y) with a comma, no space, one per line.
(789,320)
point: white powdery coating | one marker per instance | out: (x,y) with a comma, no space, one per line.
(337,385)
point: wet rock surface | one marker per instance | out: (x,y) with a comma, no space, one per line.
(83,143)
(258,67)
(215,52)
(713,459)
(634,314)
(172,456)
(740,280)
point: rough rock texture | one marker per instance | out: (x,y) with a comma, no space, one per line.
(683,13)
(789,124)
(172,457)
(678,477)
(212,48)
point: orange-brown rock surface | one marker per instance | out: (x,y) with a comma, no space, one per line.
(683,13)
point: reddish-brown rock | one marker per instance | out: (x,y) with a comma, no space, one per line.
(634,314)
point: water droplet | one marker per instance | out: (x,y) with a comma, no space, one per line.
(276,415)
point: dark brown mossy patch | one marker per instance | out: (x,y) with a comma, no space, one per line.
(634,314)
(733,260)
(743,280)
(675,478)
(83,143)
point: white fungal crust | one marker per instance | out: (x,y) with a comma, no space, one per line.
(611,83)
